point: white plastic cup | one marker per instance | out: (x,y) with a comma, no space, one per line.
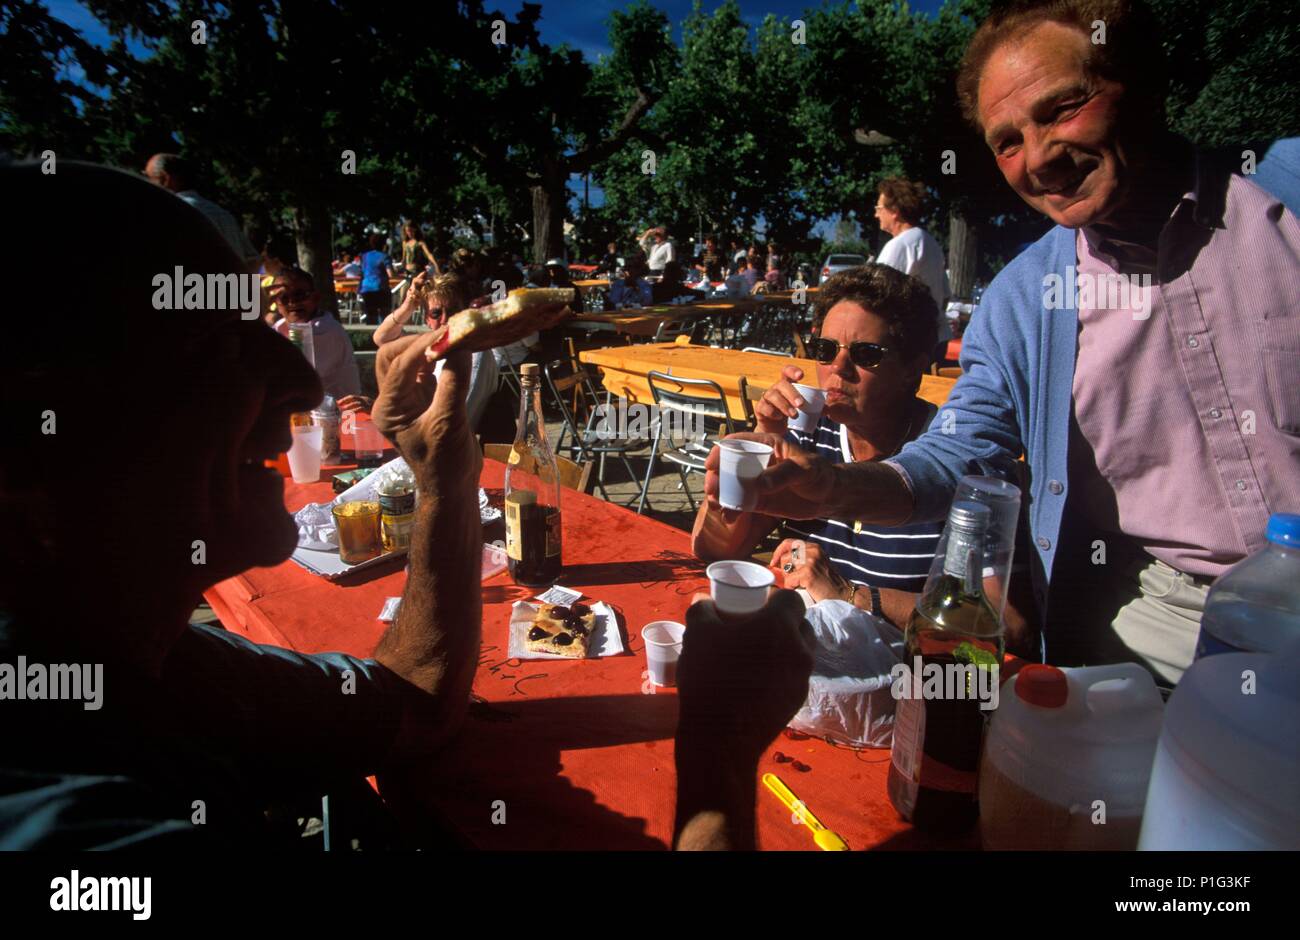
(740,463)
(663,646)
(739,587)
(304,455)
(367,442)
(808,416)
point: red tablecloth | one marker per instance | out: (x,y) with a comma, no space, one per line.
(581,757)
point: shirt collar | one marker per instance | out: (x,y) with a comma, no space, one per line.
(1204,205)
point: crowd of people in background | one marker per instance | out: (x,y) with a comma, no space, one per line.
(399,275)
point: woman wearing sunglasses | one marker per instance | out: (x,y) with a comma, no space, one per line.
(873,333)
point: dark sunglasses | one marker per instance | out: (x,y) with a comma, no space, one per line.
(863,355)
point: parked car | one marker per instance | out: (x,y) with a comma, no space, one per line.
(834,264)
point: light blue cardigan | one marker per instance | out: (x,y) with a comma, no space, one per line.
(1015,393)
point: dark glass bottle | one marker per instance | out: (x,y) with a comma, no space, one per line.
(532,493)
(934,761)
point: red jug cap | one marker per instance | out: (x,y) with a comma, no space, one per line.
(1044,686)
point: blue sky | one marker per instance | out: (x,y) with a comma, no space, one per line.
(580,23)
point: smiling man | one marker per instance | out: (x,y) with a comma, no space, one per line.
(1160,431)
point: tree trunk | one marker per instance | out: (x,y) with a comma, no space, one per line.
(963,255)
(311,230)
(550,204)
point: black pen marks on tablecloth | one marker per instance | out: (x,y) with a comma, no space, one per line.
(522,679)
(496,666)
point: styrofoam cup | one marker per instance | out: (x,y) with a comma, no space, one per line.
(663,645)
(808,416)
(739,587)
(740,463)
(304,455)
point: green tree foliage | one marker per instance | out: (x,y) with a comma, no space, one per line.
(1234,68)
(44,83)
(739,124)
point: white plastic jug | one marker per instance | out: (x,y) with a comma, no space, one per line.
(1067,758)
(1227,770)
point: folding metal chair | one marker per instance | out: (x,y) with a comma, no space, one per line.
(669,330)
(698,402)
(590,440)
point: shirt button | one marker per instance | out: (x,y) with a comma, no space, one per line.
(1241,484)
(1216,413)
(1055,488)
(1193,342)
(1044,543)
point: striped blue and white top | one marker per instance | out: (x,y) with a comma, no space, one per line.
(880,556)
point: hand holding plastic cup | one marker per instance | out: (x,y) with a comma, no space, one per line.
(808,416)
(740,462)
(304,455)
(739,587)
(663,647)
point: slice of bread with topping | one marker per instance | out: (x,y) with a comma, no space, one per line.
(562,631)
(523,311)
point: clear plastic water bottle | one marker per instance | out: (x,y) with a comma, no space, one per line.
(1254,606)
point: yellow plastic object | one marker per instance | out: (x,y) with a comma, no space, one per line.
(826,840)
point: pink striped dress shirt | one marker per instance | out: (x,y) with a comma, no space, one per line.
(1187,387)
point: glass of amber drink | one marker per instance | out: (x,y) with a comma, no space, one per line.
(358,531)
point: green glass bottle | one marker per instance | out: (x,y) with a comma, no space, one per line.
(939,722)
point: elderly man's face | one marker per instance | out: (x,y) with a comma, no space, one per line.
(1054,127)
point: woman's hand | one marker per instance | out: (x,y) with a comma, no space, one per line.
(355,403)
(779,403)
(806,566)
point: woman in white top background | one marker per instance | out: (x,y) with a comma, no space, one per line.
(900,205)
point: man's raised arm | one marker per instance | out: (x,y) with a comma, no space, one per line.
(434,642)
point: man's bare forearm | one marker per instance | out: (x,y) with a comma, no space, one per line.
(867,492)
(434,642)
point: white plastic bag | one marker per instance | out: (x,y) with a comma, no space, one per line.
(849,699)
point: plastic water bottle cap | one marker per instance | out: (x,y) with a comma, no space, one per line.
(1284,529)
(1044,686)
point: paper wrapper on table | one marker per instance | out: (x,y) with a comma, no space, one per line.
(606,637)
(849,698)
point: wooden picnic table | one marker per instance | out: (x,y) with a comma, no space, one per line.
(624,370)
(645,321)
